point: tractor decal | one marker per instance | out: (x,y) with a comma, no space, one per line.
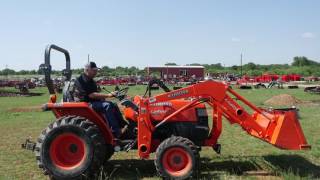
(158,112)
(178,93)
(168,104)
(152,99)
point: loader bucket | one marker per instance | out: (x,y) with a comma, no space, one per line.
(287,133)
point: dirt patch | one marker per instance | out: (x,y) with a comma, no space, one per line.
(17,94)
(283,100)
(26,109)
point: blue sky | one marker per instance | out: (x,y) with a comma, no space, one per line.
(142,33)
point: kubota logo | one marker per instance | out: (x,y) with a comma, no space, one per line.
(158,112)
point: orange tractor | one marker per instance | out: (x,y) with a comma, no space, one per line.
(174,125)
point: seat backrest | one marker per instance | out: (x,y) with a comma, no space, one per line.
(68,91)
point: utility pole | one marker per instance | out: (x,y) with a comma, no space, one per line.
(7,73)
(241,64)
(88,58)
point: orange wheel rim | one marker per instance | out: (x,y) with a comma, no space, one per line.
(177,161)
(67,151)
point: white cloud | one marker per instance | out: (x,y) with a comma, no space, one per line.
(308,35)
(234,39)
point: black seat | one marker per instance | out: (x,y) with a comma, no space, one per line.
(68,91)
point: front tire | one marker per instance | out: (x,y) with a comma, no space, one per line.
(177,158)
(71,148)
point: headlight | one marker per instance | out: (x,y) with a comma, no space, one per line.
(202,112)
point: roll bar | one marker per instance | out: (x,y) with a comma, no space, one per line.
(46,67)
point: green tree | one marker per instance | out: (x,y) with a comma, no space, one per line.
(170,64)
(303,61)
(8,72)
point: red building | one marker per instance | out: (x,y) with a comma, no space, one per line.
(169,72)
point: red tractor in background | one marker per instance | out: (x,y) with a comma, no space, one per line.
(174,125)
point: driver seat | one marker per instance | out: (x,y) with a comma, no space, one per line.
(68,91)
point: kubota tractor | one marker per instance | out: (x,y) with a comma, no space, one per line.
(173,125)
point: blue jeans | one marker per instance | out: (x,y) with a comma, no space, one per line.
(111,112)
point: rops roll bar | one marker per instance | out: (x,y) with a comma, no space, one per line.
(46,67)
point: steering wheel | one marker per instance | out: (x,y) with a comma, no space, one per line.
(122,93)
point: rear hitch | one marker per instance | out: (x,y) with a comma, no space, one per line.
(28,145)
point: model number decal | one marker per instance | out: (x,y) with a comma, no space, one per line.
(179,93)
(169,104)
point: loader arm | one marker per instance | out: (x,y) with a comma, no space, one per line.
(280,128)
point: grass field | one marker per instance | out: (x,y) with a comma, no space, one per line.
(242,156)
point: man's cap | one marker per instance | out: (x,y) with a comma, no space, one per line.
(91,65)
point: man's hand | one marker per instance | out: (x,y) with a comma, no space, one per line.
(114,93)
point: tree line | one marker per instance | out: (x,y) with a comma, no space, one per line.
(300,65)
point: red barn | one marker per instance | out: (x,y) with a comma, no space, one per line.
(169,72)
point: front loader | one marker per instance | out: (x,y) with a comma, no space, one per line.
(174,125)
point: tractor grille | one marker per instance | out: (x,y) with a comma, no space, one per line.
(202,116)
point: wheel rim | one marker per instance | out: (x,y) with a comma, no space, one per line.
(67,151)
(177,161)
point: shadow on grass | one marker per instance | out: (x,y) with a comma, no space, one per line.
(269,165)
(128,169)
(298,165)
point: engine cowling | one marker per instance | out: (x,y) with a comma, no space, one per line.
(158,111)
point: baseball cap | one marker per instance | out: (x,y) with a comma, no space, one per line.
(92,65)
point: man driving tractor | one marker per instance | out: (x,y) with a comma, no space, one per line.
(86,90)
(174,125)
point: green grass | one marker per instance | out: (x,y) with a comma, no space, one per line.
(242,156)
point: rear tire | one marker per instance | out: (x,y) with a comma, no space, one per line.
(71,148)
(177,158)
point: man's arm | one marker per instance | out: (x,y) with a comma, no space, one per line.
(82,94)
(101,96)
